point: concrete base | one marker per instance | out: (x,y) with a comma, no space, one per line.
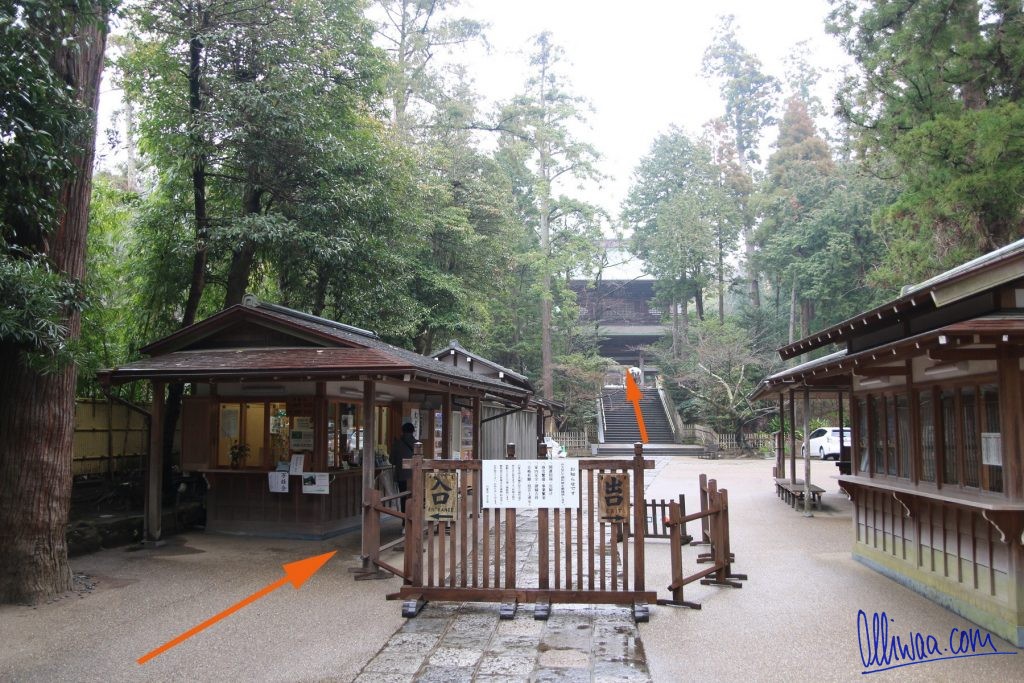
(991,617)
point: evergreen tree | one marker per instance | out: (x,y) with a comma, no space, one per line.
(934,104)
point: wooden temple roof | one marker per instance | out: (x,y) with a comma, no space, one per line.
(257,339)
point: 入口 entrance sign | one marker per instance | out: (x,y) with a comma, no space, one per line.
(439,496)
(613,497)
(531,484)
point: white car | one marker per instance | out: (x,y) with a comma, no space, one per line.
(824,442)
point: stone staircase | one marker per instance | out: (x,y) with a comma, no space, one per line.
(621,430)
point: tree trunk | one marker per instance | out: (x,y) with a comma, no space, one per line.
(202,227)
(792,311)
(698,302)
(547,372)
(37,410)
(197,283)
(721,281)
(242,257)
(675,331)
(684,327)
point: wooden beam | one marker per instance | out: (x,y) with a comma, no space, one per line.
(883,371)
(957,355)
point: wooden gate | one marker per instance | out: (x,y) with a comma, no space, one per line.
(473,557)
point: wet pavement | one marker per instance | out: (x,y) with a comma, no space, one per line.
(795,618)
(454,642)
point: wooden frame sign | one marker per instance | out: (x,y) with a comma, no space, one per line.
(439,496)
(613,497)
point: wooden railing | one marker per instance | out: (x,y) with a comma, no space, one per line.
(714,518)
(726,442)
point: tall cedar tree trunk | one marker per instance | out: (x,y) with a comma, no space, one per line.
(792,311)
(172,404)
(37,410)
(547,372)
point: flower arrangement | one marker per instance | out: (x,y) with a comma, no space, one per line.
(238,453)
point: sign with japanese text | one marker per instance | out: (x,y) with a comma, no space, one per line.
(531,483)
(613,497)
(440,491)
(278,482)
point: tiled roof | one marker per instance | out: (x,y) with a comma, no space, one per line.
(346,349)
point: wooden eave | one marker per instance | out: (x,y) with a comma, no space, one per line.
(988,271)
(299,364)
(819,375)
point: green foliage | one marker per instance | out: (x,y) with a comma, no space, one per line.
(684,216)
(935,104)
(714,381)
(748,92)
(815,238)
(35,302)
(110,323)
(44,125)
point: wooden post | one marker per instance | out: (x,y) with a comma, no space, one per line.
(1011,407)
(476,427)
(369,438)
(542,449)
(792,437)
(807,452)
(638,516)
(320,428)
(155,470)
(781,445)
(446,428)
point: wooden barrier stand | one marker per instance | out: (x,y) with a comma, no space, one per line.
(715,512)
(471,556)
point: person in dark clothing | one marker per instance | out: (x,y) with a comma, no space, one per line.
(403,449)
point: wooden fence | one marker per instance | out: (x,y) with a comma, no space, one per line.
(109,438)
(576,444)
(472,556)
(726,442)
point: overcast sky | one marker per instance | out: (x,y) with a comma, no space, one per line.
(638,63)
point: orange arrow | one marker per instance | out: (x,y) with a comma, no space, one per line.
(297,573)
(633,395)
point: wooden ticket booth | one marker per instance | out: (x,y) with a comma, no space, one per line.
(289,417)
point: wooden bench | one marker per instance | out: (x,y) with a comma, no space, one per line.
(793,494)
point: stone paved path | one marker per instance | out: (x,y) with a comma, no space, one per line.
(455,642)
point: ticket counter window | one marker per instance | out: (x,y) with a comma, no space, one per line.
(243,424)
(344,433)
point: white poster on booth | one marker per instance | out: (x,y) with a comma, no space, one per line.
(316,482)
(531,483)
(302,440)
(991,449)
(298,460)
(278,482)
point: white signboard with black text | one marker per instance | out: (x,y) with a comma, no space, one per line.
(531,483)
